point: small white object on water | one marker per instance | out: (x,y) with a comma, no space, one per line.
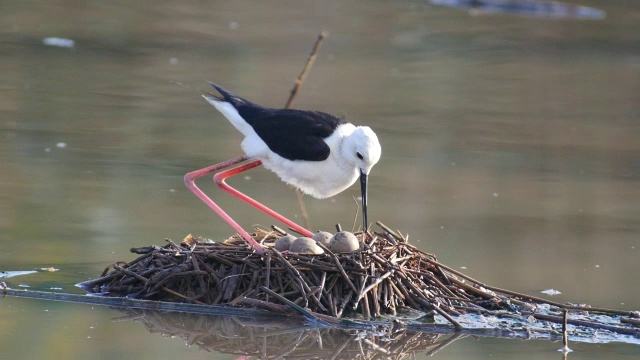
(305,245)
(233,25)
(173,61)
(61,145)
(8,274)
(597,266)
(565,349)
(59,42)
(284,243)
(323,237)
(551,292)
(344,242)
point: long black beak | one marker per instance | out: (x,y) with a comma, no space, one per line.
(363,188)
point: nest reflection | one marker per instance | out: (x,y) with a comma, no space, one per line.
(285,338)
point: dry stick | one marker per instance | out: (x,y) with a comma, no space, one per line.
(565,335)
(295,274)
(166,289)
(602,310)
(444,314)
(635,322)
(388,229)
(309,316)
(365,308)
(269,306)
(333,305)
(131,273)
(279,230)
(307,67)
(386,300)
(590,324)
(344,302)
(529,297)
(375,295)
(344,274)
(323,279)
(292,96)
(312,293)
(424,301)
(355,217)
(212,273)
(268,275)
(493,288)
(374,284)
(201,281)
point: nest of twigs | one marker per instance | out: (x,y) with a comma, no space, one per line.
(387,275)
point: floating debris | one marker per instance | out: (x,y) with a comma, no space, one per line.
(10,274)
(526,8)
(59,42)
(551,292)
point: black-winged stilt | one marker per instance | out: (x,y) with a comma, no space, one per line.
(318,153)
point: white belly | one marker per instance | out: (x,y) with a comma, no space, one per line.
(320,179)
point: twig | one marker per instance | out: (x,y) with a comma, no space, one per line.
(374,284)
(305,70)
(565,335)
(635,322)
(309,316)
(344,274)
(591,324)
(355,217)
(296,87)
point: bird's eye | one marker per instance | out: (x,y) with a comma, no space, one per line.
(359,156)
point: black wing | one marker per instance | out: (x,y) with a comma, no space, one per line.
(292,134)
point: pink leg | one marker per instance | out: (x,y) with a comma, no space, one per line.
(219,179)
(189,180)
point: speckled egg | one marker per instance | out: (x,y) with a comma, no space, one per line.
(284,243)
(323,237)
(305,245)
(344,242)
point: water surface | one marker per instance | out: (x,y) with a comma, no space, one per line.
(510,146)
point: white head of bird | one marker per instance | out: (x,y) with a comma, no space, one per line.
(362,148)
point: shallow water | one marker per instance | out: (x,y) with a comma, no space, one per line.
(510,146)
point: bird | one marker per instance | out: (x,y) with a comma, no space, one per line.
(316,152)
